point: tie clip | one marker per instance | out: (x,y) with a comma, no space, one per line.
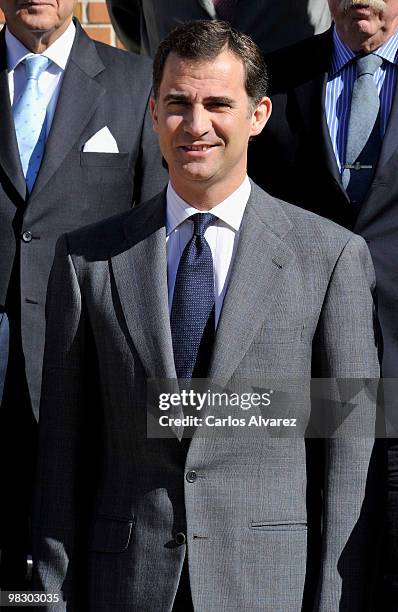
(357,166)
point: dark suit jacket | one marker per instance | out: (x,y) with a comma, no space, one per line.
(102,87)
(4,338)
(293,158)
(142,24)
(109,517)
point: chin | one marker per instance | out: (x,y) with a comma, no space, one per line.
(35,25)
(196,173)
(37,19)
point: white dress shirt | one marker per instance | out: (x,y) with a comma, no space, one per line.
(50,80)
(222,237)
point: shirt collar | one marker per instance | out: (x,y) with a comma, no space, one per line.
(342,54)
(229,211)
(58,52)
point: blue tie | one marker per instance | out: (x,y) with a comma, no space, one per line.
(30,119)
(363,140)
(192,312)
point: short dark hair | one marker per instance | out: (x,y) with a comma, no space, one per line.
(204,40)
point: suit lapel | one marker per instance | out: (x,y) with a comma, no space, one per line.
(327,147)
(79,97)
(9,154)
(310,98)
(258,269)
(140,272)
(372,203)
(390,140)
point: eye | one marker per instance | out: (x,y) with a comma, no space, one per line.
(218,105)
(174,103)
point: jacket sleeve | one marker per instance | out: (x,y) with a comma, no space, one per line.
(64,442)
(346,355)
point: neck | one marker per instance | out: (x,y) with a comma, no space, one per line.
(204,197)
(365,43)
(369,45)
(38,41)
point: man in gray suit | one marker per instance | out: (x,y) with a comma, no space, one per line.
(253,288)
(77,146)
(142,24)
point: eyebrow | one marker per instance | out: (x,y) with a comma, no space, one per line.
(180,97)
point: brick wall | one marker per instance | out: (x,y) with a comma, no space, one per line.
(93,15)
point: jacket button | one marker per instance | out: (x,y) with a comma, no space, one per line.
(27,236)
(180,538)
(191,476)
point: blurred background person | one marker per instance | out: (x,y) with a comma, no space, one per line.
(77,145)
(142,24)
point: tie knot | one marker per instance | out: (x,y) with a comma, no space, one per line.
(368,64)
(35,65)
(201,222)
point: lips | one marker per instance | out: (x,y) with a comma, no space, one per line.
(197,147)
(33,3)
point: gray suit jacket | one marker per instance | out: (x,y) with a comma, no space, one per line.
(111,501)
(102,87)
(142,24)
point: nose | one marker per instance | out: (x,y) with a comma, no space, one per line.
(197,121)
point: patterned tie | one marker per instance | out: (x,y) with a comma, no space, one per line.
(225,9)
(192,312)
(30,119)
(364,140)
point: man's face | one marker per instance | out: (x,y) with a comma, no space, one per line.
(365,24)
(33,17)
(204,119)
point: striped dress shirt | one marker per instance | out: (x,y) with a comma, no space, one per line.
(340,83)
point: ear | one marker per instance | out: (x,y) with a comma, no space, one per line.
(154,113)
(260,115)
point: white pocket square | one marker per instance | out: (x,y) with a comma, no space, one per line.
(101,142)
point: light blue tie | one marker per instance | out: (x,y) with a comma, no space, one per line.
(363,140)
(30,119)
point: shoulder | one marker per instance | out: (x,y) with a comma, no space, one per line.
(305,231)
(106,238)
(94,242)
(125,71)
(90,54)
(322,248)
(124,60)
(324,238)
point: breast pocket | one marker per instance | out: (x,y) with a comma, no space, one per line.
(278,525)
(111,535)
(104,160)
